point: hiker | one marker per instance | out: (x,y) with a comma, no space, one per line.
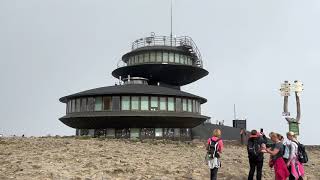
(214,148)
(285,150)
(276,159)
(243,134)
(295,167)
(280,137)
(255,143)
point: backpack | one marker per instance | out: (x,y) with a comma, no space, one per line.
(286,151)
(302,154)
(212,148)
(254,148)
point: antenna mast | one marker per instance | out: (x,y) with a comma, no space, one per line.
(234,112)
(171,23)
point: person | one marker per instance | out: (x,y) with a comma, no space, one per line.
(255,143)
(295,167)
(276,161)
(285,150)
(281,138)
(243,134)
(214,147)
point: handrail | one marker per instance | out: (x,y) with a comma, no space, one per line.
(182,41)
(120,63)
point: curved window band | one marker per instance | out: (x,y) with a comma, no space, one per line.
(134,103)
(160,57)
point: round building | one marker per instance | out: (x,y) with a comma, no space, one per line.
(148,102)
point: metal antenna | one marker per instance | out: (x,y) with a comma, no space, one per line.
(234,112)
(171,24)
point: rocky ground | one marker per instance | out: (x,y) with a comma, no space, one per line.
(102,159)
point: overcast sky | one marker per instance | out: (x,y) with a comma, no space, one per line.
(50,48)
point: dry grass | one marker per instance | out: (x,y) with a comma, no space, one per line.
(86,158)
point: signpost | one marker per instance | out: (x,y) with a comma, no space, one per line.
(294,127)
(297,88)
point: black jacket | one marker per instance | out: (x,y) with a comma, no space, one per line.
(259,140)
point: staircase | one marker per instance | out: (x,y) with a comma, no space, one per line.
(193,53)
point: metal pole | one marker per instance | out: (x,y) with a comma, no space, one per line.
(171,24)
(234,112)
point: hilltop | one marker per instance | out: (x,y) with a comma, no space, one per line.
(86,158)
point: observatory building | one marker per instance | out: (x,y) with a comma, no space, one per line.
(147,102)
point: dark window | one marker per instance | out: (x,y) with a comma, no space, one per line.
(73,105)
(84,132)
(115,103)
(78,101)
(110,132)
(69,106)
(83,105)
(177,132)
(122,133)
(168,132)
(147,133)
(178,105)
(107,103)
(185,133)
(99,133)
(90,105)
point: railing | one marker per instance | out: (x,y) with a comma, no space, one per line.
(120,63)
(182,41)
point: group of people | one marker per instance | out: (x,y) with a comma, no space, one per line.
(283,155)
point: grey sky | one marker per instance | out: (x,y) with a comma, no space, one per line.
(49,49)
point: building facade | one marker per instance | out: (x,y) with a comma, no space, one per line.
(147,102)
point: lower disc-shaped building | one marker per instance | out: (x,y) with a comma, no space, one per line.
(148,103)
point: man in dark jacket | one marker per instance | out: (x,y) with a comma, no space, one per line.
(255,142)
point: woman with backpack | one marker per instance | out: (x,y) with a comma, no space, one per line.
(214,148)
(276,161)
(295,167)
(256,142)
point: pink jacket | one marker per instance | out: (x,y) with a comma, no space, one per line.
(280,169)
(296,167)
(220,143)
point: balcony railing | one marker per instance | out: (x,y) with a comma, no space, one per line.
(182,41)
